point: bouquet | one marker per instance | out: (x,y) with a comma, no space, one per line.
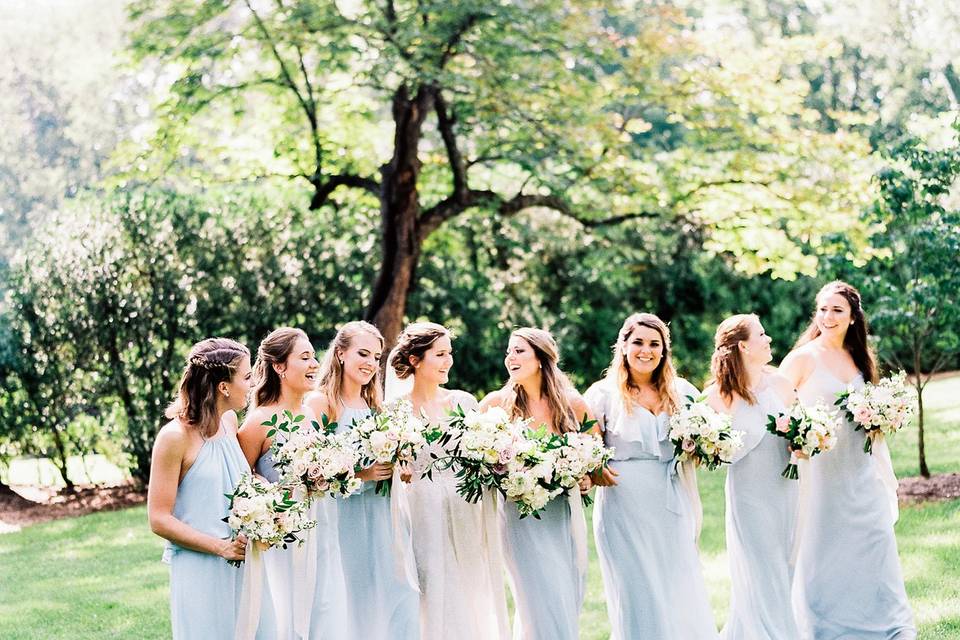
(882,408)
(266,513)
(393,436)
(313,456)
(809,430)
(548,465)
(481,445)
(705,436)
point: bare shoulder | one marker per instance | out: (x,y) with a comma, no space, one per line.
(173,437)
(577,403)
(715,399)
(494,399)
(464,399)
(782,386)
(317,402)
(231,421)
(799,364)
(256,417)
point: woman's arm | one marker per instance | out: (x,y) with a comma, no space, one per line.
(168,453)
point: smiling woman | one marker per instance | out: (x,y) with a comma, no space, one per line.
(297,603)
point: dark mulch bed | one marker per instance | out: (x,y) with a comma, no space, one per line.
(945,486)
(17,511)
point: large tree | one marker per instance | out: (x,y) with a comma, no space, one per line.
(601,111)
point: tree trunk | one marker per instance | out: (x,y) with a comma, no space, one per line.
(924,470)
(60,460)
(954,81)
(399,213)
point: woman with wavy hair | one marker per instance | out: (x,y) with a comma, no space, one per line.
(646,523)
(304,583)
(761,514)
(196,460)
(456,544)
(848,580)
(546,558)
(381,587)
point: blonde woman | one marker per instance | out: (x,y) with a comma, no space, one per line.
(546,558)
(305,583)
(382,596)
(456,544)
(646,524)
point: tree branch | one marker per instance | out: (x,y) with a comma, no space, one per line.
(323,190)
(445,122)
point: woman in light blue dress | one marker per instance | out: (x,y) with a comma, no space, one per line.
(646,522)
(761,504)
(381,583)
(848,580)
(303,595)
(545,558)
(196,460)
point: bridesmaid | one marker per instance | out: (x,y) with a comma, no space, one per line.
(761,504)
(646,525)
(456,544)
(546,558)
(304,583)
(381,591)
(196,460)
(848,582)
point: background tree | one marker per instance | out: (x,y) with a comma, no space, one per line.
(914,282)
(435,109)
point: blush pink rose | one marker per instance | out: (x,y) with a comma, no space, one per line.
(783,424)
(689,445)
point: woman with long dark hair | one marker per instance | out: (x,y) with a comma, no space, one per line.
(848,579)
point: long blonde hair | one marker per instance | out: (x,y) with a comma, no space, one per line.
(209,363)
(554,384)
(726,365)
(331,369)
(664,376)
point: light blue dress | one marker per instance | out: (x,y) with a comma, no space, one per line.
(205,588)
(381,604)
(848,581)
(761,527)
(645,528)
(547,583)
(291,573)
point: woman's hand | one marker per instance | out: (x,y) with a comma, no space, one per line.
(234,550)
(585,485)
(604,477)
(798,454)
(379,471)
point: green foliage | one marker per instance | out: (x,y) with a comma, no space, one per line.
(914,280)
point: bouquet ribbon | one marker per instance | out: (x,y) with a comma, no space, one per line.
(405,563)
(578,525)
(248,612)
(305,579)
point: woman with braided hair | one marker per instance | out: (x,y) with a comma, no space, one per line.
(761,504)
(196,460)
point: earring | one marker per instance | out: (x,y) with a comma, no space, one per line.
(284,375)
(226,394)
(341,363)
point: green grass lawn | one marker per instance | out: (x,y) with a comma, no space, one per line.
(100,576)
